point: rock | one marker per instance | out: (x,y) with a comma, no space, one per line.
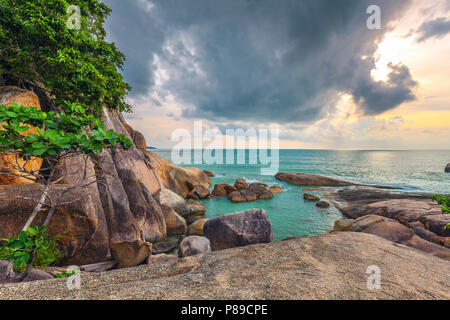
(75,220)
(175,224)
(238,229)
(447,168)
(147,212)
(191,219)
(322,204)
(192,195)
(70,171)
(237,197)
(276,189)
(249,195)
(222,190)
(261,191)
(209,173)
(201,192)
(125,234)
(193,245)
(310,197)
(177,179)
(305,179)
(162,258)
(330,267)
(163,247)
(241,184)
(9,95)
(196,228)
(343,225)
(33,275)
(182,207)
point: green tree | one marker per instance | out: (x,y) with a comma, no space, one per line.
(38,48)
(445,202)
(59,136)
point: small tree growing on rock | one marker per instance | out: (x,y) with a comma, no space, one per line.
(59,136)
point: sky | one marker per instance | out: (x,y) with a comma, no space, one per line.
(310,68)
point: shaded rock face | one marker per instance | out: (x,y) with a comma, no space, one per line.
(9,95)
(408,218)
(193,245)
(447,168)
(392,230)
(304,179)
(332,266)
(322,204)
(241,184)
(182,207)
(201,191)
(238,229)
(261,191)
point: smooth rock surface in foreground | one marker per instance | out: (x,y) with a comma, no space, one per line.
(327,267)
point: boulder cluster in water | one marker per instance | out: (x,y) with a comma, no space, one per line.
(242,192)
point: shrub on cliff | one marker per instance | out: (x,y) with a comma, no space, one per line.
(445,202)
(41,45)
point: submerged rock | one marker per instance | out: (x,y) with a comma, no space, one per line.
(322,204)
(238,229)
(276,189)
(310,197)
(305,179)
(193,245)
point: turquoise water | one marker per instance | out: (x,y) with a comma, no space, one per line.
(292,216)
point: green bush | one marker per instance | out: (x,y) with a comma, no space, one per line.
(445,202)
(20,249)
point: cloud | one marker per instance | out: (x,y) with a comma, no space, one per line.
(257,61)
(437,28)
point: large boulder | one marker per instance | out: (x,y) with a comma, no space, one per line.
(196,228)
(237,197)
(176,224)
(193,245)
(328,267)
(304,179)
(238,229)
(261,191)
(177,179)
(185,208)
(146,211)
(447,168)
(223,190)
(9,95)
(241,184)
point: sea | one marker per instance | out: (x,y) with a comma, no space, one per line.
(292,216)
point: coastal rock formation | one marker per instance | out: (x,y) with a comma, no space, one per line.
(201,192)
(237,197)
(193,245)
(249,195)
(196,228)
(394,231)
(322,204)
(209,173)
(223,190)
(310,197)
(304,179)
(332,266)
(9,95)
(260,189)
(447,168)
(177,179)
(241,184)
(418,217)
(238,229)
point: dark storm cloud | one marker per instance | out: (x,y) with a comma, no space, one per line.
(437,28)
(258,60)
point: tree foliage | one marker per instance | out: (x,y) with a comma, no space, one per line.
(76,65)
